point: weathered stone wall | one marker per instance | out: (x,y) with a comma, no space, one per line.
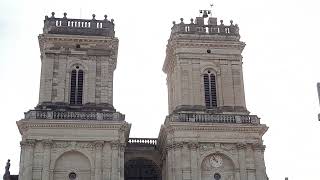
(94,151)
(186,148)
(189,56)
(96,56)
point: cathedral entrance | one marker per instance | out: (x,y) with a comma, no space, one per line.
(141,169)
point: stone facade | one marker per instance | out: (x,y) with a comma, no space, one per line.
(208,134)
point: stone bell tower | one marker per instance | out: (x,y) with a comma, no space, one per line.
(75,132)
(209,134)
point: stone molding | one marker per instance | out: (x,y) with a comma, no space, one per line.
(111,41)
(47,143)
(98,144)
(177,42)
(193,145)
(28,143)
(122,147)
(241,146)
(261,129)
(258,146)
(24,125)
(115,145)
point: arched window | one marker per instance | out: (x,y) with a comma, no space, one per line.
(76,88)
(210,92)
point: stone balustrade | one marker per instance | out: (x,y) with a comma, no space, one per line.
(213,118)
(143,141)
(212,28)
(74,115)
(87,27)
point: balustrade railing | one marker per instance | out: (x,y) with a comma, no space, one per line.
(213,118)
(201,28)
(74,115)
(53,25)
(148,141)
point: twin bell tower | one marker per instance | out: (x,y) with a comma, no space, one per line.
(76,133)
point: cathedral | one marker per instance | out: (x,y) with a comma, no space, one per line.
(75,132)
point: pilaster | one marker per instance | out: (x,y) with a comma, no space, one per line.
(177,169)
(107,155)
(121,151)
(259,161)
(47,144)
(242,160)
(170,162)
(28,146)
(98,159)
(186,165)
(115,161)
(194,161)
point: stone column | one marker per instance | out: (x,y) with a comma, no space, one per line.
(259,161)
(164,164)
(107,161)
(177,169)
(22,154)
(122,149)
(170,162)
(98,160)
(242,160)
(28,145)
(115,161)
(47,144)
(193,160)
(186,168)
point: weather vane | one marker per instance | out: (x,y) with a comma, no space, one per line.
(205,13)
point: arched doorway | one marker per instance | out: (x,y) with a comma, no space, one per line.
(141,169)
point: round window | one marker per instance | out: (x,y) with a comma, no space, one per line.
(217,176)
(72,176)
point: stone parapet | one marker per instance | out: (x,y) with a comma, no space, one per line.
(74,115)
(213,118)
(212,28)
(143,141)
(87,27)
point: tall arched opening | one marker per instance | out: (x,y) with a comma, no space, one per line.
(141,169)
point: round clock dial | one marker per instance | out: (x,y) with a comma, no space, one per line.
(215,161)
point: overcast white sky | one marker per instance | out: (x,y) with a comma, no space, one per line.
(281,68)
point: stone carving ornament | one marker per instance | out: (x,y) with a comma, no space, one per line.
(212,161)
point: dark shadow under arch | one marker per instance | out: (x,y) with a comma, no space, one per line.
(141,169)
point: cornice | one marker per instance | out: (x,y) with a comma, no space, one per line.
(178,126)
(207,44)
(77,38)
(109,42)
(24,125)
(176,43)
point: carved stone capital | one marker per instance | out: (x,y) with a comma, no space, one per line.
(47,143)
(98,144)
(258,146)
(28,143)
(177,145)
(123,127)
(115,145)
(241,146)
(193,145)
(122,147)
(169,147)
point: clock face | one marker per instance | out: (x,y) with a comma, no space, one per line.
(215,161)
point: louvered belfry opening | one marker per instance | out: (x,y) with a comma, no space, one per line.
(76,90)
(210,92)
